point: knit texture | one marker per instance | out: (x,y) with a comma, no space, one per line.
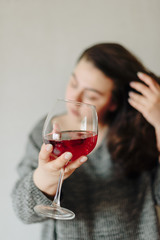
(106,206)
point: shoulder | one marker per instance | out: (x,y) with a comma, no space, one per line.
(39,125)
(36,133)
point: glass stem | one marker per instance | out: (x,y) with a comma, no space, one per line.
(56,200)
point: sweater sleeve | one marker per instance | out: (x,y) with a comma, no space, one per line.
(156,186)
(25,194)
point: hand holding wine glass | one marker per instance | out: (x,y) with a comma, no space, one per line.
(47,174)
(70,132)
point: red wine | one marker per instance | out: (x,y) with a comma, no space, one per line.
(77,142)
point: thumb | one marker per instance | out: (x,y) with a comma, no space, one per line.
(45,152)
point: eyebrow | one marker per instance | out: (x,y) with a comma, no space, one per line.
(88,89)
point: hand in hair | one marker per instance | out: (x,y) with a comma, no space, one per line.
(148,103)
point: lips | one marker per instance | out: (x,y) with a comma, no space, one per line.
(75,112)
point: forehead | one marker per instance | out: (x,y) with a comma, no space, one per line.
(89,76)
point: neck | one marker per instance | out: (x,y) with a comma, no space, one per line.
(102,129)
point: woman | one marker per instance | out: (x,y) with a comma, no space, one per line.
(114,193)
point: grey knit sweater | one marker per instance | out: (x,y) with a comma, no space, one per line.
(106,207)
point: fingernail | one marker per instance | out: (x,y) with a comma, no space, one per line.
(48,147)
(139,74)
(56,136)
(83,159)
(56,127)
(130,94)
(68,155)
(131,84)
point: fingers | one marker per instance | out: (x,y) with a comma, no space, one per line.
(143,89)
(153,85)
(142,103)
(56,133)
(150,93)
(61,161)
(137,105)
(76,164)
(137,98)
(56,127)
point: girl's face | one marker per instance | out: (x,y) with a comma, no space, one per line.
(88,84)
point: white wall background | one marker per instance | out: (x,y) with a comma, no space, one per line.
(40,41)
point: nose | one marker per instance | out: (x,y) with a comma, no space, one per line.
(77,96)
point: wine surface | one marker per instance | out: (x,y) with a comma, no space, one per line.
(77,142)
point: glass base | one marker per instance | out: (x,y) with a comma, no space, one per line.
(55,212)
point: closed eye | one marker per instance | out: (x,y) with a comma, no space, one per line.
(73,82)
(90,96)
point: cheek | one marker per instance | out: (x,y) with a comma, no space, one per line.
(100,111)
(102,107)
(68,93)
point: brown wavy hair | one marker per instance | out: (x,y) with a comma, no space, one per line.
(131,139)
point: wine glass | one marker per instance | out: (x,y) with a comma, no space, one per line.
(71,126)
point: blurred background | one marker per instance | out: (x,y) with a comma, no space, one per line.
(40,41)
